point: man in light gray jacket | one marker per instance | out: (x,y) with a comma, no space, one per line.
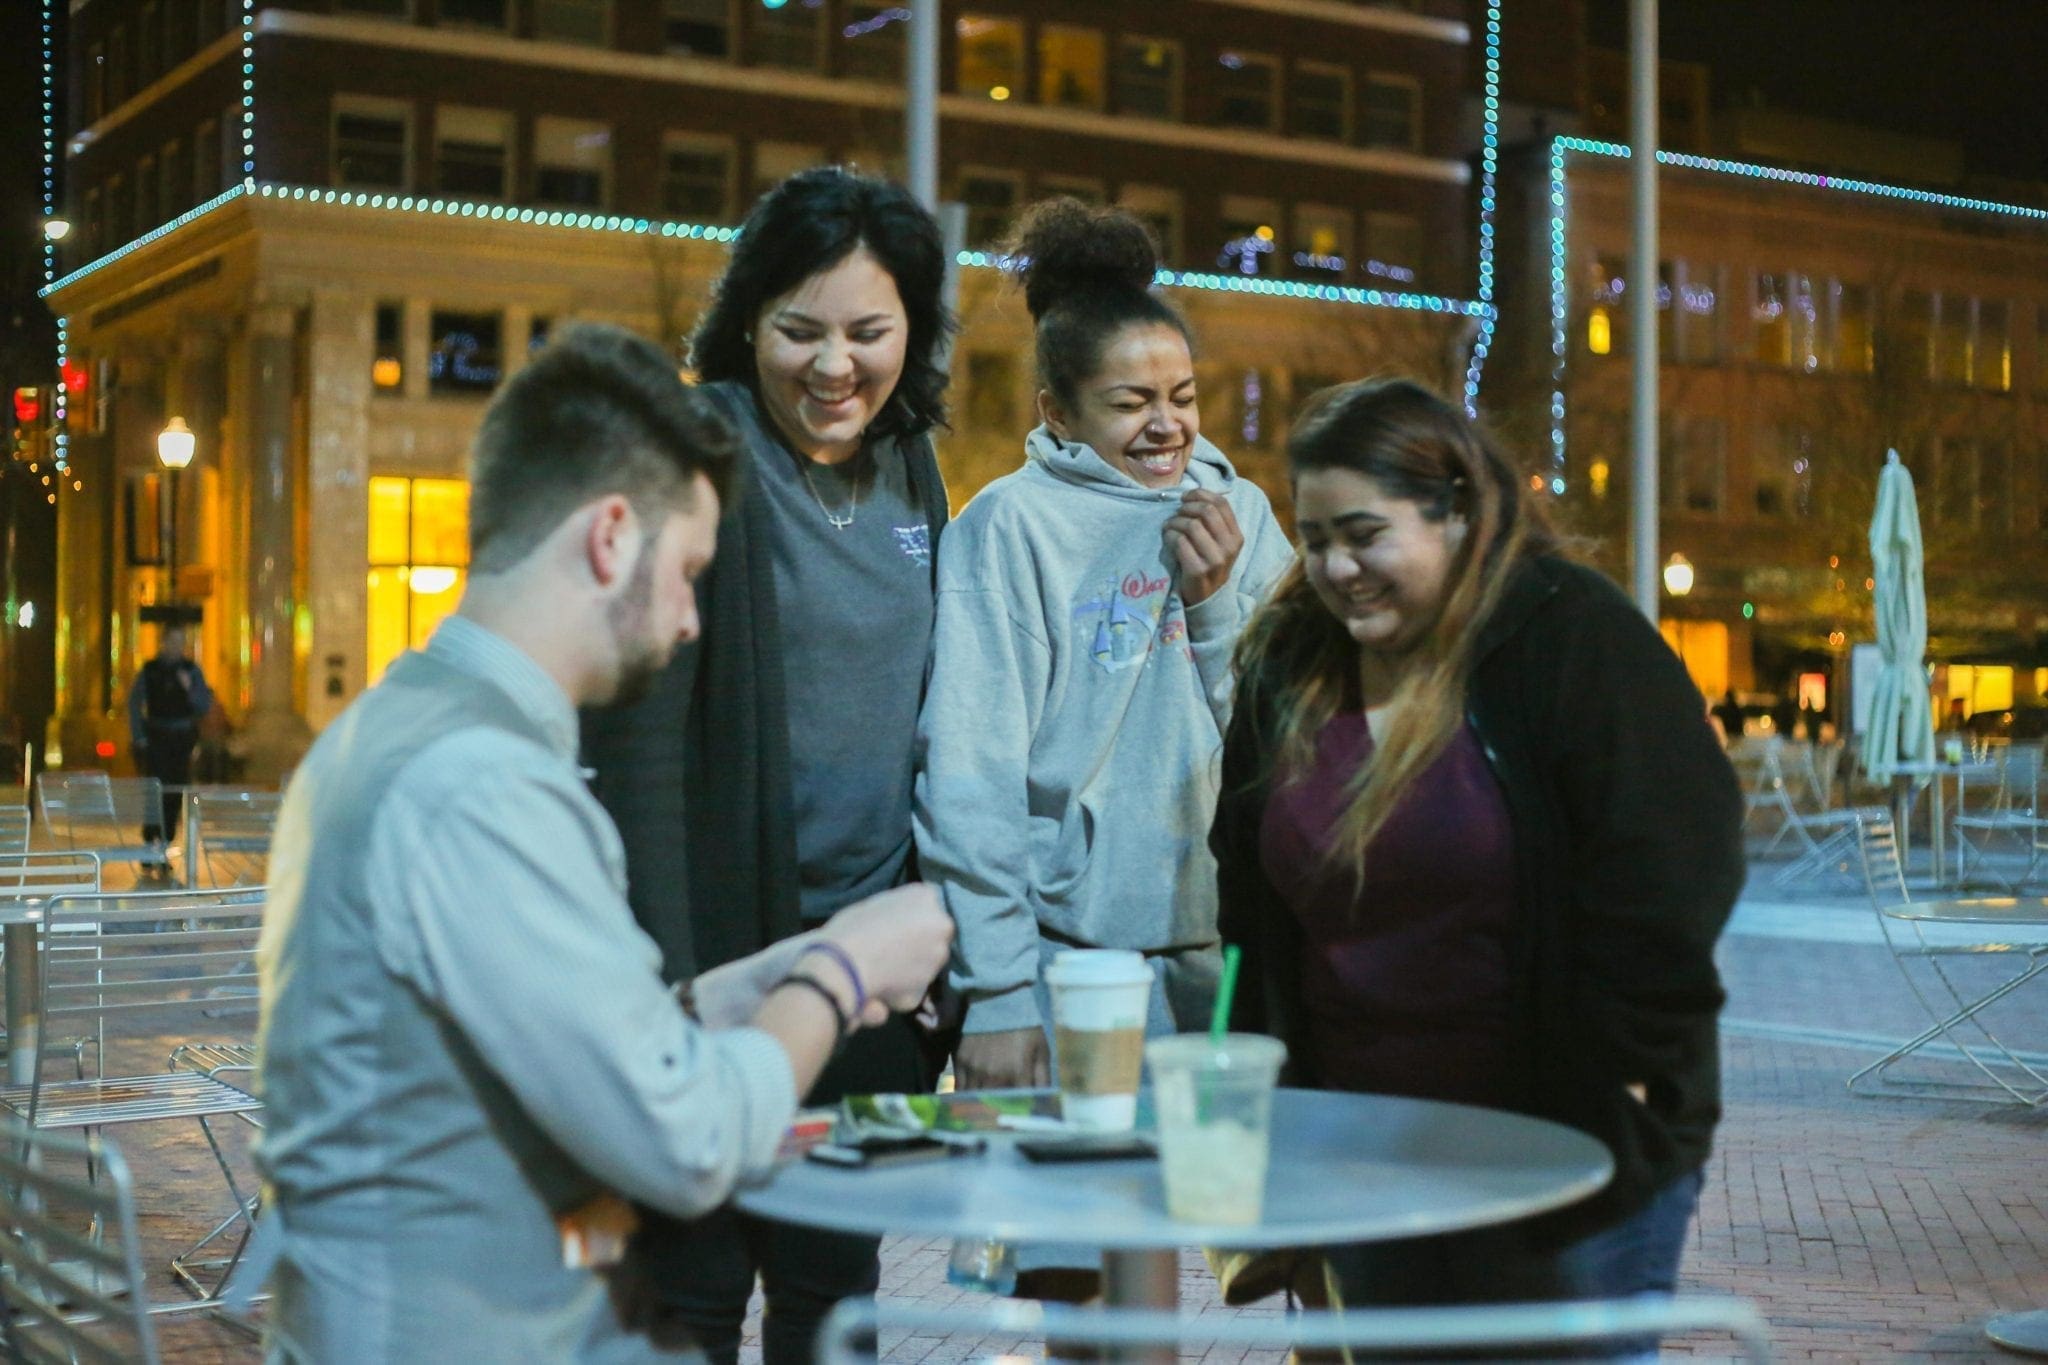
(466,1042)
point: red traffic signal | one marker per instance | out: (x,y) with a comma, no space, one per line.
(28,405)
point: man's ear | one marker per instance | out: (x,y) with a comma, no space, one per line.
(611,539)
(1050,413)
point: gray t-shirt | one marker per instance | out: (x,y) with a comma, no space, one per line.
(855,609)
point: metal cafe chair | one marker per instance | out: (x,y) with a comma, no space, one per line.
(69,1296)
(853,1331)
(93,811)
(227,834)
(1968,931)
(2015,812)
(133,963)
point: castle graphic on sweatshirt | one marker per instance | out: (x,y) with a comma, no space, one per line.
(1122,618)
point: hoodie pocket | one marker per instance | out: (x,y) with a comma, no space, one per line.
(1130,868)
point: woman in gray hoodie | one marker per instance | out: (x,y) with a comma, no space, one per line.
(1087,607)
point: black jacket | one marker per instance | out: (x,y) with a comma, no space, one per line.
(696,774)
(1628,846)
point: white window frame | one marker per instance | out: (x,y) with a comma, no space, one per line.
(370,106)
(1413,87)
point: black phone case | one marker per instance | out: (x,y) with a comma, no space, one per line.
(1089,1147)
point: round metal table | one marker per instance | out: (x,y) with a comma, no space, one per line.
(1345,1168)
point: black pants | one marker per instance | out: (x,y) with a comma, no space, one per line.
(699,1274)
(169,760)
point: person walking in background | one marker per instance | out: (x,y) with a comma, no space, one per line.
(1478,841)
(166,706)
(1088,605)
(765,781)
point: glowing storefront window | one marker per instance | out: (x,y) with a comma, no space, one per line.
(419,558)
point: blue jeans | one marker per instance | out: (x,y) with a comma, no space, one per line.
(1639,1255)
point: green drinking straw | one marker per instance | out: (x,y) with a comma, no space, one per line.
(1219,1021)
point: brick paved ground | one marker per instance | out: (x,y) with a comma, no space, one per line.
(1865,1229)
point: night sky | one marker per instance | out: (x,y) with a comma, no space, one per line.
(1969,71)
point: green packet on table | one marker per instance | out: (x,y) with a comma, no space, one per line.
(952,1113)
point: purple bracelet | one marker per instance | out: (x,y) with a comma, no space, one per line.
(839,955)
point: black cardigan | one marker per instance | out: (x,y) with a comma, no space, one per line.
(1628,847)
(696,774)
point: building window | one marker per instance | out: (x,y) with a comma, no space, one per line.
(1247,86)
(491,14)
(1994,487)
(464,355)
(1148,77)
(788,37)
(1606,316)
(697,28)
(95,82)
(1158,208)
(213,20)
(991,56)
(1850,348)
(991,199)
(571,162)
(372,143)
(1392,112)
(992,390)
(172,179)
(1251,228)
(1771,319)
(146,216)
(1319,102)
(537,333)
(775,162)
(587,23)
(1694,465)
(1688,312)
(1780,452)
(1071,67)
(471,151)
(387,360)
(91,229)
(1956,490)
(148,50)
(1909,335)
(1954,351)
(872,43)
(206,161)
(1991,353)
(696,178)
(419,558)
(1084,188)
(1391,248)
(1321,236)
(380,9)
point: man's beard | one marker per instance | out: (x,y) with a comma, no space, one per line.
(640,659)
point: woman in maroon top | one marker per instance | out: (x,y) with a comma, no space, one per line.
(1477,841)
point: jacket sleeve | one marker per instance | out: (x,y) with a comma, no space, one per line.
(1215,623)
(1654,832)
(971,808)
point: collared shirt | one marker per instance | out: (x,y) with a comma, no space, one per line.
(465,1032)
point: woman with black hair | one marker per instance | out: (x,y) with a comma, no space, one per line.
(747,821)
(1088,605)
(1478,841)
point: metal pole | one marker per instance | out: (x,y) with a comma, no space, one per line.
(921,103)
(1642,296)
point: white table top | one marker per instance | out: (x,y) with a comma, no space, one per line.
(1940,768)
(1345,1168)
(2026,911)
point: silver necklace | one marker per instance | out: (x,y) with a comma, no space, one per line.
(839,523)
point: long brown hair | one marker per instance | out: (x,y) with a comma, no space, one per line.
(1416,448)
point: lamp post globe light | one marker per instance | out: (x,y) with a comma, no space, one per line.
(1678,575)
(175,445)
(56,229)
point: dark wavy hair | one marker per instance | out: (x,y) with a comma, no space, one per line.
(1087,274)
(808,224)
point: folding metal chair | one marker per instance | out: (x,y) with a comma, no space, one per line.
(1824,836)
(90,1305)
(2015,812)
(227,835)
(149,958)
(2009,1078)
(14,824)
(93,811)
(853,1331)
(27,880)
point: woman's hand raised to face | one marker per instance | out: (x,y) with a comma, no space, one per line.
(1202,542)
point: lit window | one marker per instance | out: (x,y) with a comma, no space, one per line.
(1071,67)
(419,559)
(1391,251)
(1771,316)
(697,28)
(371,140)
(1954,357)
(1322,241)
(571,162)
(788,36)
(387,364)
(1148,77)
(1992,353)
(775,162)
(464,354)
(1245,86)
(1909,332)
(1392,113)
(586,23)
(1688,302)
(991,61)
(1319,102)
(1852,348)
(871,44)
(1158,208)
(471,151)
(696,179)
(991,200)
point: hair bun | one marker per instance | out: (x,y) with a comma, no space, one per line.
(1070,248)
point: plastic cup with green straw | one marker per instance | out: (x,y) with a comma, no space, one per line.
(1219,1019)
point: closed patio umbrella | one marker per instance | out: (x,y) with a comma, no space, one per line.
(1901,727)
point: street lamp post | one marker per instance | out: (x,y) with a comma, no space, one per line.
(1678,578)
(174,448)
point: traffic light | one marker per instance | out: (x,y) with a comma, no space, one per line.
(29,416)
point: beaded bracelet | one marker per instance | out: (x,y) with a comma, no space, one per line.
(845,961)
(813,984)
